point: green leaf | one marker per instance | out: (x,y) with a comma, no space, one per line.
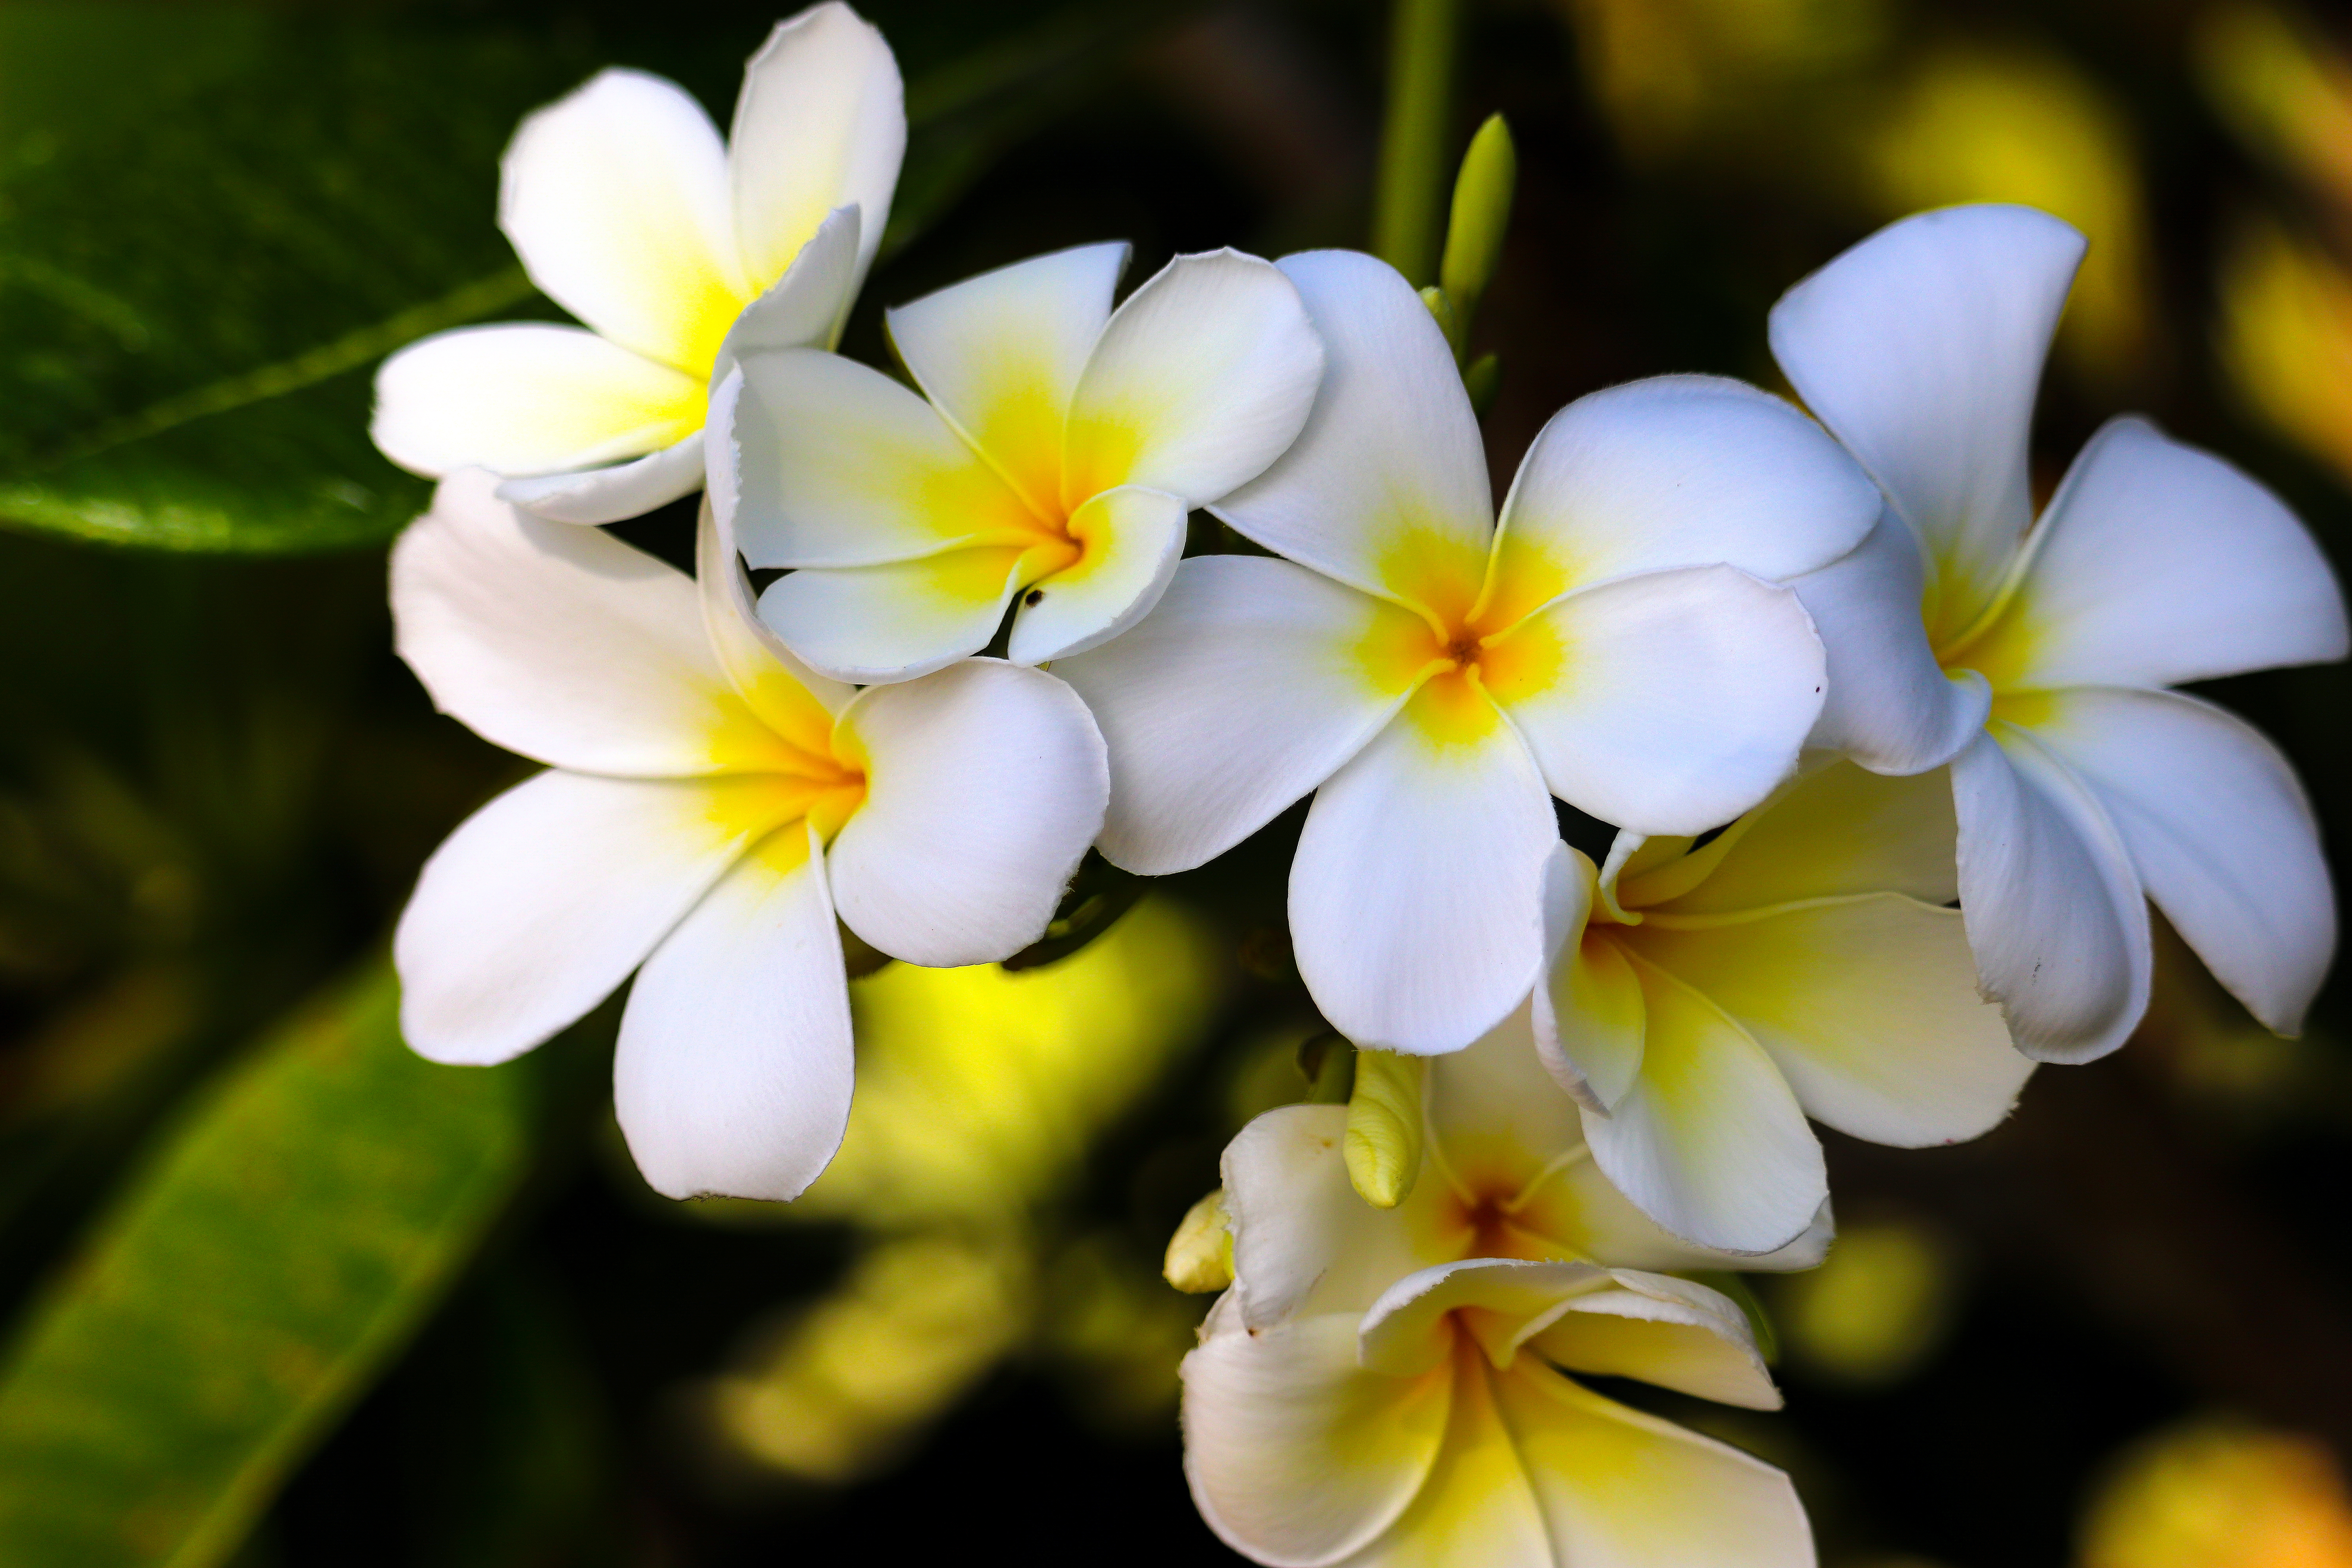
(282,1246)
(195,278)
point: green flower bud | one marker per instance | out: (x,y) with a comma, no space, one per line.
(1383,1139)
(1201,1254)
(1481,212)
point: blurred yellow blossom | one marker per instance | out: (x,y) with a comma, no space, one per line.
(1876,1311)
(2286,338)
(2221,1494)
(2027,127)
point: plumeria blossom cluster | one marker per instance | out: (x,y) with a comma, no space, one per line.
(1896,767)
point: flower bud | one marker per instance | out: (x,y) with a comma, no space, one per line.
(1384,1139)
(1201,1254)
(1481,211)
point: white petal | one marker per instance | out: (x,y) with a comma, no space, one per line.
(835,464)
(1133,539)
(1001,353)
(1922,348)
(1202,377)
(1477,1505)
(527,399)
(1586,1012)
(1678,471)
(820,123)
(543,900)
(1890,706)
(2054,907)
(732,1075)
(805,308)
(564,644)
(1496,1119)
(1673,1332)
(615,198)
(789,697)
(1298,1456)
(1386,486)
(1238,694)
(1868,1005)
(1833,832)
(1709,1142)
(2157,564)
(1501,1300)
(984,785)
(2220,832)
(898,622)
(1674,700)
(1416,894)
(1619,1488)
(609,495)
(1303,1243)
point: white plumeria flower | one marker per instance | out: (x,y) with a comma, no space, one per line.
(711,807)
(2042,662)
(1061,447)
(1384,1387)
(1436,677)
(1703,1002)
(678,251)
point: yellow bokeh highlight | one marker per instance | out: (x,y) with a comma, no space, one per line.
(2286,338)
(1876,1311)
(2025,126)
(2282,89)
(2221,1494)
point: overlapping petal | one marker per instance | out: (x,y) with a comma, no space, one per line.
(1304,1244)
(1836,832)
(1709,1142)
(1131,541)
(1202,377)
(984,785)
(1676,470)
(1385,487)
(1673,1332)
(832,463)
(895,622)
(1415,895)
(611,494)
(2220,832)
(1245,688)
(565,645)
(1000,355)
(1297,1455)
(1475,1506)
(1618,1489)
(616,199)
(732,1074)
(1922,349)
(543,900)
(1670,702)
(1867,1005)
(1890,706)
(527,398)
(820,123)
(2158,563)
(2055,912)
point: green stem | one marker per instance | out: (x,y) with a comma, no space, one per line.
(1411,193)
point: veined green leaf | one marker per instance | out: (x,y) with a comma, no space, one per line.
(249,1282)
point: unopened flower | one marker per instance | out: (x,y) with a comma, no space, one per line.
(2041,665)
(1435,676)
(678,251)
(1051,457)
(1387,1387)
(711,807)
(1703,1001)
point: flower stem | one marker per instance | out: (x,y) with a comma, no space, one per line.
(1410,195)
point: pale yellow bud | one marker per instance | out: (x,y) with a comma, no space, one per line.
(1201,1254)
(1383,1142)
